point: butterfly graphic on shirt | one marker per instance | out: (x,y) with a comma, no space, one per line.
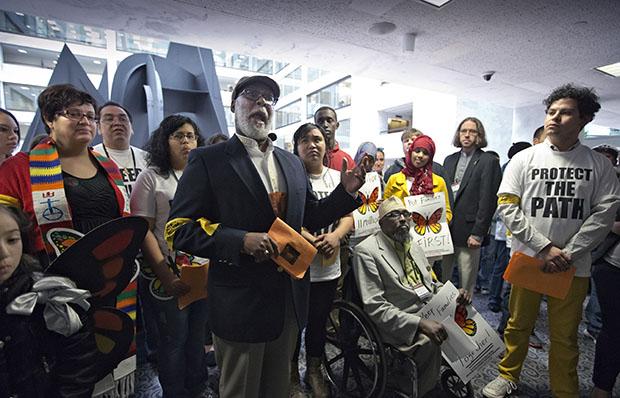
(467,324)
(369,202)
(102,261)
(157,288)
(421,223)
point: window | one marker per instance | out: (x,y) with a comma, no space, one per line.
(28,25)
(343,134)
(336,95)
(141,44)
(288,114)
(314,73)
(230,117)
(280,65)
(20,97)
(243,62)
(295,75)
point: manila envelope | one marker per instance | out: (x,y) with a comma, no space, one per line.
(296,253)
(194,276)
(525,271)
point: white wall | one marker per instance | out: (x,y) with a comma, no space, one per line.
(525,121)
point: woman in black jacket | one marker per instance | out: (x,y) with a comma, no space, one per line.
(54,357)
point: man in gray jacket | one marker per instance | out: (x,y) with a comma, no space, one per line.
(395,281)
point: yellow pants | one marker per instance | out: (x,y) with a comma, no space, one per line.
(564,318)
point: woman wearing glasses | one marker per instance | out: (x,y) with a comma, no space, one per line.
(310,144)
(62,183)
(9,134)
(181,332)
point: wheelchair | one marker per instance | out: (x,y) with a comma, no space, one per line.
(359,365)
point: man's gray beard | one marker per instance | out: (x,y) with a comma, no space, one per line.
(250,129)
(401,236)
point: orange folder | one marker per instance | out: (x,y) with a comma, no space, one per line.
(296,253)
(525,271)
(194,276)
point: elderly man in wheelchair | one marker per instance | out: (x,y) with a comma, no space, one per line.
(395,280)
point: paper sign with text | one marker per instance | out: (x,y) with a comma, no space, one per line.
(366,217)
(429,224)
(487,343)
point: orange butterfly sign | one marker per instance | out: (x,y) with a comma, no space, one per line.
(421,223)
(369,202)
(467,324)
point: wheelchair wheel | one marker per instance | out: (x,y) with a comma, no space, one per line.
(454,386)
(354,356)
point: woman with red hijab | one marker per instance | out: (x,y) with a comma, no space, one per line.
(417,177)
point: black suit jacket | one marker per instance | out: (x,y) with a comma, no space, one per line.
(476,200)
(219,199)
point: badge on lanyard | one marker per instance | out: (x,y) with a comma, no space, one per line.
(421,291)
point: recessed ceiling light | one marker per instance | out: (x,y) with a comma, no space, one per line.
(612,70)
(21,50)
(55,62)
(24,88)
(382,28)
(436,3)
(21,14)
(96,61)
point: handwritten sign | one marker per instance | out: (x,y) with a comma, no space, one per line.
(366,217)
(486,341)
(430,226)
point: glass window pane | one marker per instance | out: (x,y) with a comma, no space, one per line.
(28,25)
(141,44)
(343,135)
(288,114)
(20,97)
(337,95)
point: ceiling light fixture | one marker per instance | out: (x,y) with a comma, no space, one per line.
(21,50)
(382,28)
(408,43)
(611,70)
(436,3)
(96,61)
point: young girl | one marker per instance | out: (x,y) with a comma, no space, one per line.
(40,357)
(417,177)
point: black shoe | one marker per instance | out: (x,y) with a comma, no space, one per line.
(494,307)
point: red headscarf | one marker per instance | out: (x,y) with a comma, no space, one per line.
(423,176)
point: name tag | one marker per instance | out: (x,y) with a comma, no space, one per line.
(421,291)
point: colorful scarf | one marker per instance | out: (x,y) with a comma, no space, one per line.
(49,200)
(423,176)
(52,210)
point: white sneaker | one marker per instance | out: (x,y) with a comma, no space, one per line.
(499,388)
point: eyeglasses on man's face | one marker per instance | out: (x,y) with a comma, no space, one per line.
(182,136)
(397,214)
(254,95)
(77,115)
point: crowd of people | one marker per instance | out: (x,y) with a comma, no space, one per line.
(212,200)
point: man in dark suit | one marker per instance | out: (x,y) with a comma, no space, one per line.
(226,201)
(475,177)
